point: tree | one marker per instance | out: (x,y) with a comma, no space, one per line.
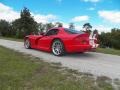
(5,28)
(17,28)
(110,39)
(105,39)
(115,38)
(58,24)
(25,25)
(71,26)
(48,26)
(41,27)
(95,32)
(87,27)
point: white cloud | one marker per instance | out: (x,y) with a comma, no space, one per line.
(93,1)
(7,13)
(66,25)
(91,8)
(59,1)
(112,16)
(78,27)
(80,18)
(102,28)
(44,18)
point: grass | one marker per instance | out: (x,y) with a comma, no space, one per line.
(108,51)
(19,71)
(10,38)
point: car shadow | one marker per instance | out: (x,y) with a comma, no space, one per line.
(85,55)
(81,55)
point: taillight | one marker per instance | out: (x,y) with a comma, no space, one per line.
(84,42)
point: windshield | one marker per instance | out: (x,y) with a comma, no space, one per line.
(72,31)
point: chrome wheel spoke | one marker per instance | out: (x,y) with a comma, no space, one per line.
(27,44)
(57,47)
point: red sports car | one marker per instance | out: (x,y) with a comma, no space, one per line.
(59,41)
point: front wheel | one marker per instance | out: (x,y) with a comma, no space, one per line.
(57,48)
(27,44)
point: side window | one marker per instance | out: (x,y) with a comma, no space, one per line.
(52,32)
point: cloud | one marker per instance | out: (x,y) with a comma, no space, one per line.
(59,1)
(77,26)
(91,8)
(66,25)
(9,14)
(102,28)
(44,18)
(93,1)
(80,18)
(112,16)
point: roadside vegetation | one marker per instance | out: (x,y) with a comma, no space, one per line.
(108,51)
(110,39)
(12,39)
(19,71)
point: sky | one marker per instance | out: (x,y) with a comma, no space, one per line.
(101,14)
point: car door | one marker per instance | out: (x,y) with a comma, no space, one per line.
(45,42)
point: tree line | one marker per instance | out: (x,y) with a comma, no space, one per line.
(110,39)
(26,25)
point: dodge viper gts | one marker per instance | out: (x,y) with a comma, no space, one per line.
(59,41)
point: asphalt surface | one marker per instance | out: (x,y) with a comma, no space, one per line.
(97,64)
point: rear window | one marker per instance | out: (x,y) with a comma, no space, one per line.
(72,31)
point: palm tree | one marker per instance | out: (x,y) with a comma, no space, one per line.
(87,27)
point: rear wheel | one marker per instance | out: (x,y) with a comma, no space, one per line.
(27,44)
(57,48)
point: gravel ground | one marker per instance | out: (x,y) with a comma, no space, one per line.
(95,63)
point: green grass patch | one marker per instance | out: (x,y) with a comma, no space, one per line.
(13,39)
(25,72)
(108,51)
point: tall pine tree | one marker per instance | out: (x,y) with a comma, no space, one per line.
(25,25)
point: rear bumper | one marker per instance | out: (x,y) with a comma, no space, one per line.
(78,48)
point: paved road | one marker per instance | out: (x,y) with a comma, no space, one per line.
(95,63)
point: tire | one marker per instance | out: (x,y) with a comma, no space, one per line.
(58,48)
(81,52)
(27,44)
